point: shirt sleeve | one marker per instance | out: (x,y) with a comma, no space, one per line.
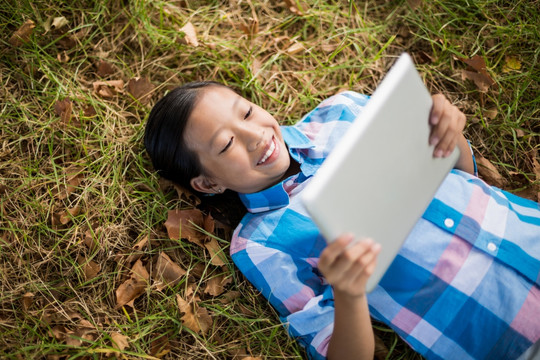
(304,301)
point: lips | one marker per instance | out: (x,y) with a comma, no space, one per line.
(270,153)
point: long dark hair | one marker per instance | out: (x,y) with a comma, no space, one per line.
(172,159)
(164,134)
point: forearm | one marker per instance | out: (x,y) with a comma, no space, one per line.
(352,337)
(465,161)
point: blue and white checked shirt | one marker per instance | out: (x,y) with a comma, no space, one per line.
(465,284)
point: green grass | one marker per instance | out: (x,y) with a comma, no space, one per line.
(344,45)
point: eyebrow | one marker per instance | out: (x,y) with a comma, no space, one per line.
(233,108)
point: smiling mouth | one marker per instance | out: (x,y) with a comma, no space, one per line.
(268,152)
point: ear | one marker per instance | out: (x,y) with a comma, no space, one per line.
(203,184)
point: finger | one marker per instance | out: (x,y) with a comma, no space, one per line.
(437,108)
(456,122)
(364,267)
(334,249)
(349,257)
(445,144)
(438,132)
(335,272)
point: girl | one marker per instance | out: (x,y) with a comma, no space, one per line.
(465,285)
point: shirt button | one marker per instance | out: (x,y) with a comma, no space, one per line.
(448,222)
(492,247)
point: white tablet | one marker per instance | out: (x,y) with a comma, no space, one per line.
(380,178)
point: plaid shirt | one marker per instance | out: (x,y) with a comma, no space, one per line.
(465,284)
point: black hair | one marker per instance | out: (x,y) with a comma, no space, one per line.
(172,159)
(164,134)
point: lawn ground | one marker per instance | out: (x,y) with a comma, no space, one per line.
(89,265)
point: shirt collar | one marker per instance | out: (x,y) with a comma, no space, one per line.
(276,196)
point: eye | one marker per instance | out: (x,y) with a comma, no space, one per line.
(248,113)
(227,146)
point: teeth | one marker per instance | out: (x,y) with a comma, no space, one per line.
(268,152)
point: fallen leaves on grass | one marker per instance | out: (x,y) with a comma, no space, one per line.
(119,341)
(27,300)
(64,108)
(138,250)
(195,318)
(190,35)
(489,172)
(216,285)
(65,216)
(74,177)
(90,268)
(141,89)
(133,287)
(192,225)
(91,243)
(295,48)
(478,74)
(511,63)
(108,89)
(104,69)
(166,272)
(184,224)
(160,345)
(296,7)
(22,35)
(215,252)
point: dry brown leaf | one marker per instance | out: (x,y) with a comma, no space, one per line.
(414,3)
(64,108)
(59,22)
(250,27)
(22,35)
(141,89)
(74,177)
(480,75)
(108,89)
(198,270)
(167,272)
(27,300)
(90,268)
(62,57)
(160,346)
(215,252)
(482,81)
(229,296)
(296,7)
(180,225)
(195,318)
(216,285)
(119,341)
(133,287)
(190,34)
(489,172)
(491,113)
(66,216)
(104,69)
(252,358)
(138,250)
(89,111)
(59,332)
(91,243)
(533,156)
(295,48)
(77,337)
(187,195)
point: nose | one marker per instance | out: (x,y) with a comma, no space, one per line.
(252,136)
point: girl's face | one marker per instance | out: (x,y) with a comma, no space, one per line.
(239,144)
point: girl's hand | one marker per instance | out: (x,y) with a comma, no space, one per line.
(447,124)
(347,269)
